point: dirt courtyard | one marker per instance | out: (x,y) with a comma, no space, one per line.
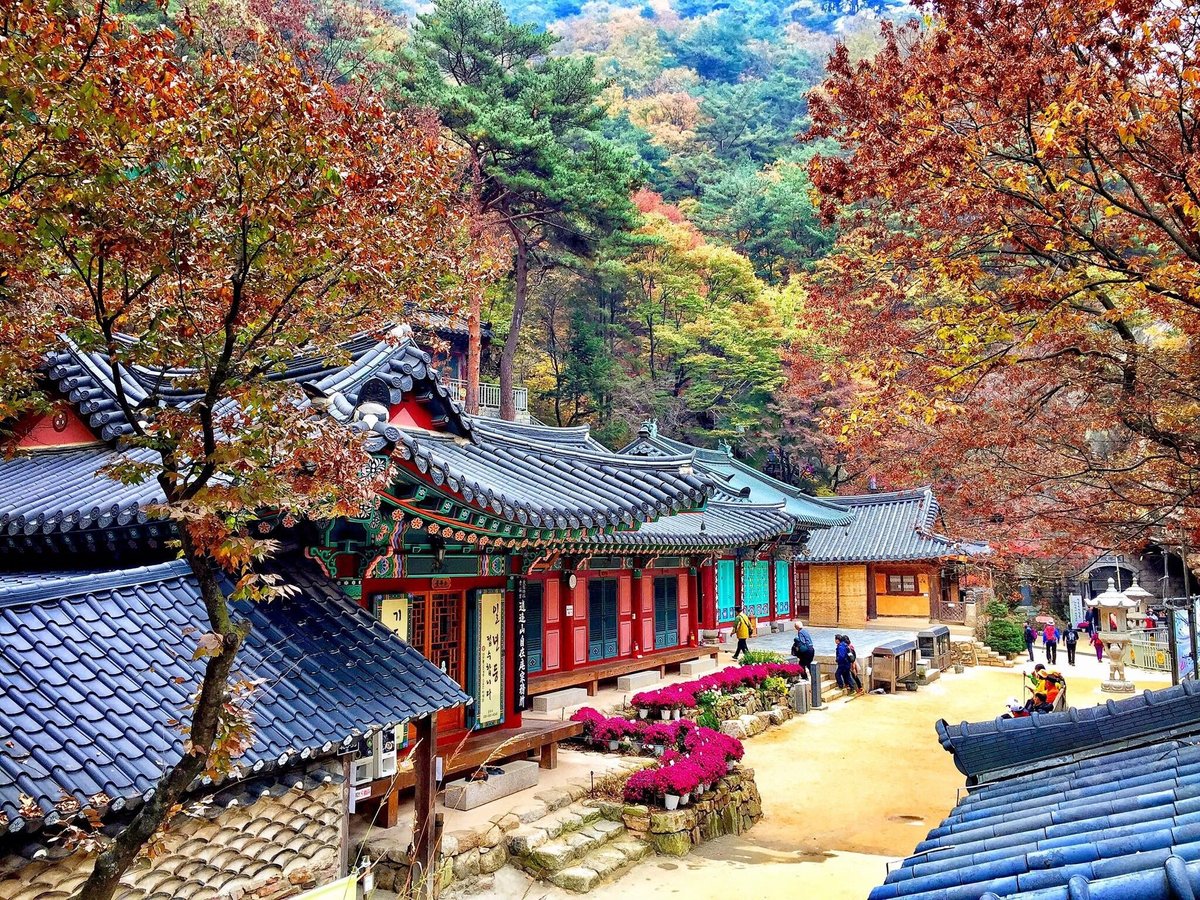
(845,791)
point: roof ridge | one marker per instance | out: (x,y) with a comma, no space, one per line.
(79,583)
(884,496)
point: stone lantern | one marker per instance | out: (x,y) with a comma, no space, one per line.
(1114,632)
(1141,603)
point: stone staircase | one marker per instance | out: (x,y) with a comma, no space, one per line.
(977,653)
(576,847)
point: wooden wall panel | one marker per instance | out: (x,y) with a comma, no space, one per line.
(822,595)
(852,595)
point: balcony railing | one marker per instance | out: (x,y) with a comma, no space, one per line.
(489,397)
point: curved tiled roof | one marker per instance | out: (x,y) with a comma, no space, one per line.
(95,664)
(1120,821)
(63,490)
(984,751)
(720,526)
(737,477)
(896,526)
(551,484)
(87,381)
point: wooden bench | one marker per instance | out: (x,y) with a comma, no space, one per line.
(591,676)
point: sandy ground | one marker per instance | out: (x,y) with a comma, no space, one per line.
(845,791)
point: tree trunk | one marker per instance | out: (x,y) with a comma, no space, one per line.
(475,309)
(116,859)
(508,406)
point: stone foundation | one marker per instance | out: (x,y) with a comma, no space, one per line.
(732,807)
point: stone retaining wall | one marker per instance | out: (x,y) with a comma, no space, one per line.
(732,807)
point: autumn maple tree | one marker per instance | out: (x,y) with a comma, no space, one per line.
(1015,299)
(204,218)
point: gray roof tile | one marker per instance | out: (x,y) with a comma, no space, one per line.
(895,526)
(89,662)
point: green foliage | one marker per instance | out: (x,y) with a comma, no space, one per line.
(997,609)
(1005,635)
(755,657)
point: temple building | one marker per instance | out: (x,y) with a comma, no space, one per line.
(504,563)
(889,561)
(762,572)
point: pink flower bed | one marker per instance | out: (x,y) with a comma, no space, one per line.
(694,755)
(704,761)
(683,696)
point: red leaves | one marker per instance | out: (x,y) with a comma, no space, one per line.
(1016,302)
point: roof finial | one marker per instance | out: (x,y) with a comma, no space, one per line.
(649,428)
(725,447)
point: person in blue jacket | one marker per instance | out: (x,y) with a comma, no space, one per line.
(845,676)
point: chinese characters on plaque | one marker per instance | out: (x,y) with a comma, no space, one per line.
(490,709)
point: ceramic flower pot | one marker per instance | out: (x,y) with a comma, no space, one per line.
(613,745)
(666,714)
(658,749)
(671,801)
(678,714)
(643,712)
(685,799)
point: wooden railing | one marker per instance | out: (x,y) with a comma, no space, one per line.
(489,395)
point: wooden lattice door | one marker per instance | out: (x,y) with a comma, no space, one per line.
(437,628)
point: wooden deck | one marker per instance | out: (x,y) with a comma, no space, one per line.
(591,676)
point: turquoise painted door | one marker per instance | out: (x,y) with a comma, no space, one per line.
(534,659)
(726,590)
(783,595)
(666,612)
(756,588)
(602,618)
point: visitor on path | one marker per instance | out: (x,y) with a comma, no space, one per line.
(1015,710)
(1030,637)
(1050,642)
(741,629)
(847,659)
(803,648)
(1038,703)
(1071,638)
(1098,644)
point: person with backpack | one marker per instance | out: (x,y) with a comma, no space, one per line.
(847,661)
(742,626)
(1070,637)
(803,649)
(1050,641)
(1030,637)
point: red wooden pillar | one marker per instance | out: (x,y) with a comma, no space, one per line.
(425,827)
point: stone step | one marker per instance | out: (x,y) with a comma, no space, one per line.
(556,700)
(565,851)
(635,681)
(604,864)
(694,667)
(527,838)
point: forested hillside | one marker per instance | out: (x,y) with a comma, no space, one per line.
(687,314)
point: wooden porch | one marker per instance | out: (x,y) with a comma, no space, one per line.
(591,676)
(489,747)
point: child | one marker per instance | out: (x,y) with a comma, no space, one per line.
(1099,645)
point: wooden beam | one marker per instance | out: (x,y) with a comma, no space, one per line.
(425,836)
(549,756)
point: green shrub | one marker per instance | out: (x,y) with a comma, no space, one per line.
(708,719)
(997,609)
(756,657)
(1005,636)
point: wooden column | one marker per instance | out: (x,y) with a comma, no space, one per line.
(425,836)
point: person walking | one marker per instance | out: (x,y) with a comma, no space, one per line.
(803,648)
(1099,645)
(741,629)
(1050,642)
(842,654)
(1070,638)
(1030,637)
